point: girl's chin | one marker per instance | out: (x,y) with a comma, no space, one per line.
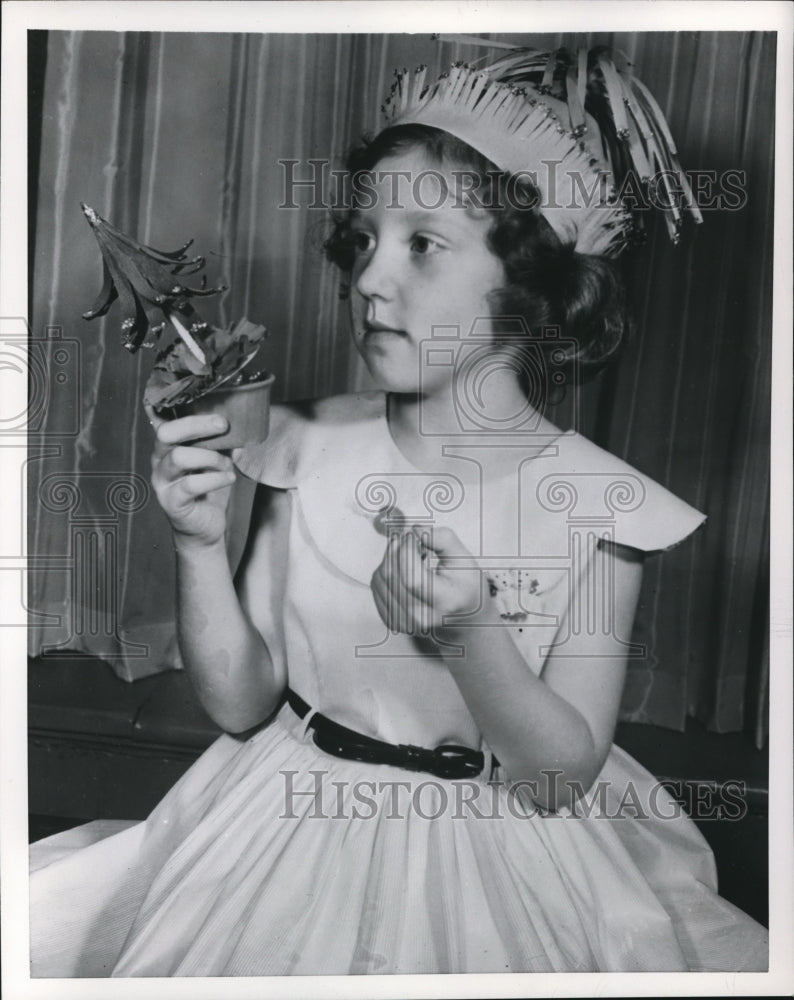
(389,376)
(397,373)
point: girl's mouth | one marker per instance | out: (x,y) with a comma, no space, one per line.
(372,328)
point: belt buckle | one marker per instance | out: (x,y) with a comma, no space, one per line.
(417,758)
(458,762)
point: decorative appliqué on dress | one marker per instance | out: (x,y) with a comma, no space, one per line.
(505,585)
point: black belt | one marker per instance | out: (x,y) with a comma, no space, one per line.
(447,761)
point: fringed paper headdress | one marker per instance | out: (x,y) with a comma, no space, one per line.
(588,132)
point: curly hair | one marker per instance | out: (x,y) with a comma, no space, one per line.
(548,284)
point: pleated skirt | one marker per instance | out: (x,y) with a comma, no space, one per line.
(270,857)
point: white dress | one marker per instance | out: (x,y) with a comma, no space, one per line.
(270,857)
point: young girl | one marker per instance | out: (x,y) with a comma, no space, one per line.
(420,663)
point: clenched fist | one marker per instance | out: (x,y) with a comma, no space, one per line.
(426,576)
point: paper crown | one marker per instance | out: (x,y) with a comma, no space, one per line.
(590,134)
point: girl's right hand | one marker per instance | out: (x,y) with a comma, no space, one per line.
(192,484)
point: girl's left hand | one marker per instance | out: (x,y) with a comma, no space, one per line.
(427,575)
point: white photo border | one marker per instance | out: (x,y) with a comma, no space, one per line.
(387,16)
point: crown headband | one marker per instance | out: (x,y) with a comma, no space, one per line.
(579,125)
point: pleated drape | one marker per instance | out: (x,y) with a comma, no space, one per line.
(174,136)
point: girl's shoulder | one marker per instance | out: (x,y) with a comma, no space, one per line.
(585,484)
(301,432)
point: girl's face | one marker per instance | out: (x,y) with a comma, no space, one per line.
(421,261)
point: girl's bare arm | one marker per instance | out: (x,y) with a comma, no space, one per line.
(547,730)
(237,680)
(558,728)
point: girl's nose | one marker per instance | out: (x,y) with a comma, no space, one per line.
(375,277)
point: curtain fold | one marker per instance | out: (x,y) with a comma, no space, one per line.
(174,136)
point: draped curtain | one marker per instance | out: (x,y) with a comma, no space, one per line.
(173,136)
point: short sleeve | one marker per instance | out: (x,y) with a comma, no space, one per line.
(592,490)
(276,461)
(663,523)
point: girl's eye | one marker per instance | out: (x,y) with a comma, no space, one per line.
(362,241)
(424,244)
